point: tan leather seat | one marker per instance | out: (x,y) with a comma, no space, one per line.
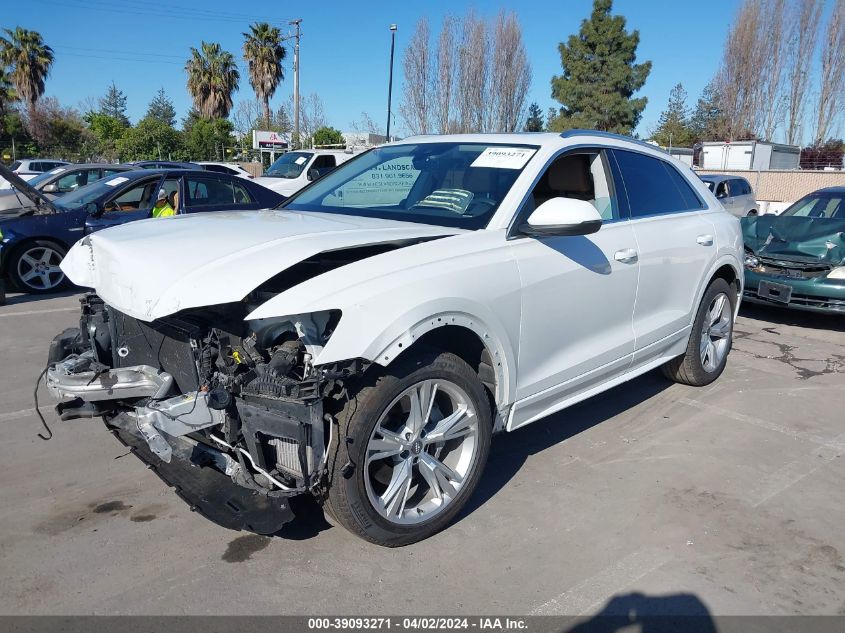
(567,177)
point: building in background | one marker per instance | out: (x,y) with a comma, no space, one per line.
(752,155)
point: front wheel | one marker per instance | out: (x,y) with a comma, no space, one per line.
(34,267)
(411,450)
(710,340)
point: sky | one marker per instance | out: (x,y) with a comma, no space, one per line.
(142,45)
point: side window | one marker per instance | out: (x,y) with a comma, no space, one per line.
(74,180)
(36,166)
(137,198)
(207,192)
(580,176)
(650,187)
(242,195)
(690,196)
(326,161)
(109,172)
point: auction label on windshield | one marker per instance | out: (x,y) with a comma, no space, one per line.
(504,157)
(116,181)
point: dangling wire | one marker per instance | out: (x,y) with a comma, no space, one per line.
(37,410)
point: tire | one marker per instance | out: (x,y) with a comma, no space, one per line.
(40,258)
(752,213)
(710,341)
(382,447)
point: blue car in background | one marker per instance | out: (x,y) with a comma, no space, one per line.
(33,241)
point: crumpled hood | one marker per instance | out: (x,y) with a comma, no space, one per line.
(156,267)
(796,238)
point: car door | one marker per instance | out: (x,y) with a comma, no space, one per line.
(676,245)
(130,203)
(578,292)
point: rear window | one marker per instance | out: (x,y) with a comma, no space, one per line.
(653,186)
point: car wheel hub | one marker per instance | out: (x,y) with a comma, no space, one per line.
(38,268)
(421,451)
(716,333)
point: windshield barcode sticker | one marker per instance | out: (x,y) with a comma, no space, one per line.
(116,181)
(504,157)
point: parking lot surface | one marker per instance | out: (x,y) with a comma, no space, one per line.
(728,497)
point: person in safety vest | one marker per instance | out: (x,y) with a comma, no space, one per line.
(162,208)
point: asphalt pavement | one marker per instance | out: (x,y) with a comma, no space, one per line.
(727,498)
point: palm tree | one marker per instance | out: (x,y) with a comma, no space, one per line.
(263,51)
(212,78)
(29,60)
(7,92)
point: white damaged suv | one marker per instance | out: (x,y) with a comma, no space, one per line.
(363,342)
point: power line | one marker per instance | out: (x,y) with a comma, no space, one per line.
(165,12)
(114,52)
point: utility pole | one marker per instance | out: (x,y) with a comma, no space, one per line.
(390,81)
(295,140)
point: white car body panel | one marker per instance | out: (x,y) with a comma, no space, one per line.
(133,266)
(562,318)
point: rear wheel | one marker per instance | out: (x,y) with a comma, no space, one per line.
(34,267)
(710,340)
(413,446)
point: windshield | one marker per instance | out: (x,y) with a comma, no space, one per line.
(448,184)
(819,205)
(89,193)
(290,165)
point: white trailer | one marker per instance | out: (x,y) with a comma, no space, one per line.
(751,155)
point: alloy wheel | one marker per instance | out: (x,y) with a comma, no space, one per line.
(421,452)
(716,333)
(38,268)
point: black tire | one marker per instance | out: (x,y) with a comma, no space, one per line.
(347,501)
(54,282)
(688,369)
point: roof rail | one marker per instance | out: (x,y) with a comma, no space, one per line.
(618,137)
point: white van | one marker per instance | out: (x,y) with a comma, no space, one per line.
(294,170)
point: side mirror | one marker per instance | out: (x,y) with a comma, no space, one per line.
(51,188)
(92,208)
(562,216)
(313,174)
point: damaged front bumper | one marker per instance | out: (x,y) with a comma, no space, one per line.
(237,454)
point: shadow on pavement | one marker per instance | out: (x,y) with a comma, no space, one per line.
(14,297)
(650,614)
(799,318)
(509,452)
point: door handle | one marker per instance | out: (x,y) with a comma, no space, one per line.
(705,240)
(626,255)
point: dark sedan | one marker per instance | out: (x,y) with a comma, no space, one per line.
(33,243)
(59,181)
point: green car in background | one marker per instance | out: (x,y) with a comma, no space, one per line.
(797,259)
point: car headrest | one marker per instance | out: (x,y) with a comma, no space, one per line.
(571,174)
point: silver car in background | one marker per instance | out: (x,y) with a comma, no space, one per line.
(735,194)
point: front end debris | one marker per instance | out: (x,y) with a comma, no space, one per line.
(232,413)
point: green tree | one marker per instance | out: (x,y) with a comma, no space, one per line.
(212,79)
(161,109)
(150,139)
(600,75)
(534,122)
(7,92)
(29,61)
(328,136)
(113,104)
(673,129)
(106,131)
(707,122)
(264,53)
(207,139)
